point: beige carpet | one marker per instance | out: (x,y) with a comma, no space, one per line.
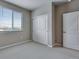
(37,51)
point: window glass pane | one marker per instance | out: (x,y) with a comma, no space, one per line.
(17,20)
(6,20)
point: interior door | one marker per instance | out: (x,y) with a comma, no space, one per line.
(71,30)
(40,29)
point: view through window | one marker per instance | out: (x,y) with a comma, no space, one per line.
(10,20)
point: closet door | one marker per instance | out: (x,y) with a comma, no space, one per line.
(40,29)
(70,30)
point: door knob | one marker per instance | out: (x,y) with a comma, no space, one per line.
(64,32)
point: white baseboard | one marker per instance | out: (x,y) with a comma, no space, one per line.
(50,46)
(14,44)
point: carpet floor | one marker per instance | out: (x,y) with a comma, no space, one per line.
(33,50)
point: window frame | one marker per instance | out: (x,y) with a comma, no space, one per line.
(13,10)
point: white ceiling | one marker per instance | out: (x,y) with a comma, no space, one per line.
(32,4)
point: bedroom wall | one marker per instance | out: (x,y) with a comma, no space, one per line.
(59,10)
(7,37)
(46,9)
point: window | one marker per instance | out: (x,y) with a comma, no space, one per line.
(10,20)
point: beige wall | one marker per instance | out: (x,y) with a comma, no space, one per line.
(59,10)
(16,36)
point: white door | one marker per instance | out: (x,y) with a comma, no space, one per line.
(40,29)
(71,30)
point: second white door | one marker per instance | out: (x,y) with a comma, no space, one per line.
(71,30)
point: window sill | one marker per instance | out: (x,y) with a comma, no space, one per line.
(11,31)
